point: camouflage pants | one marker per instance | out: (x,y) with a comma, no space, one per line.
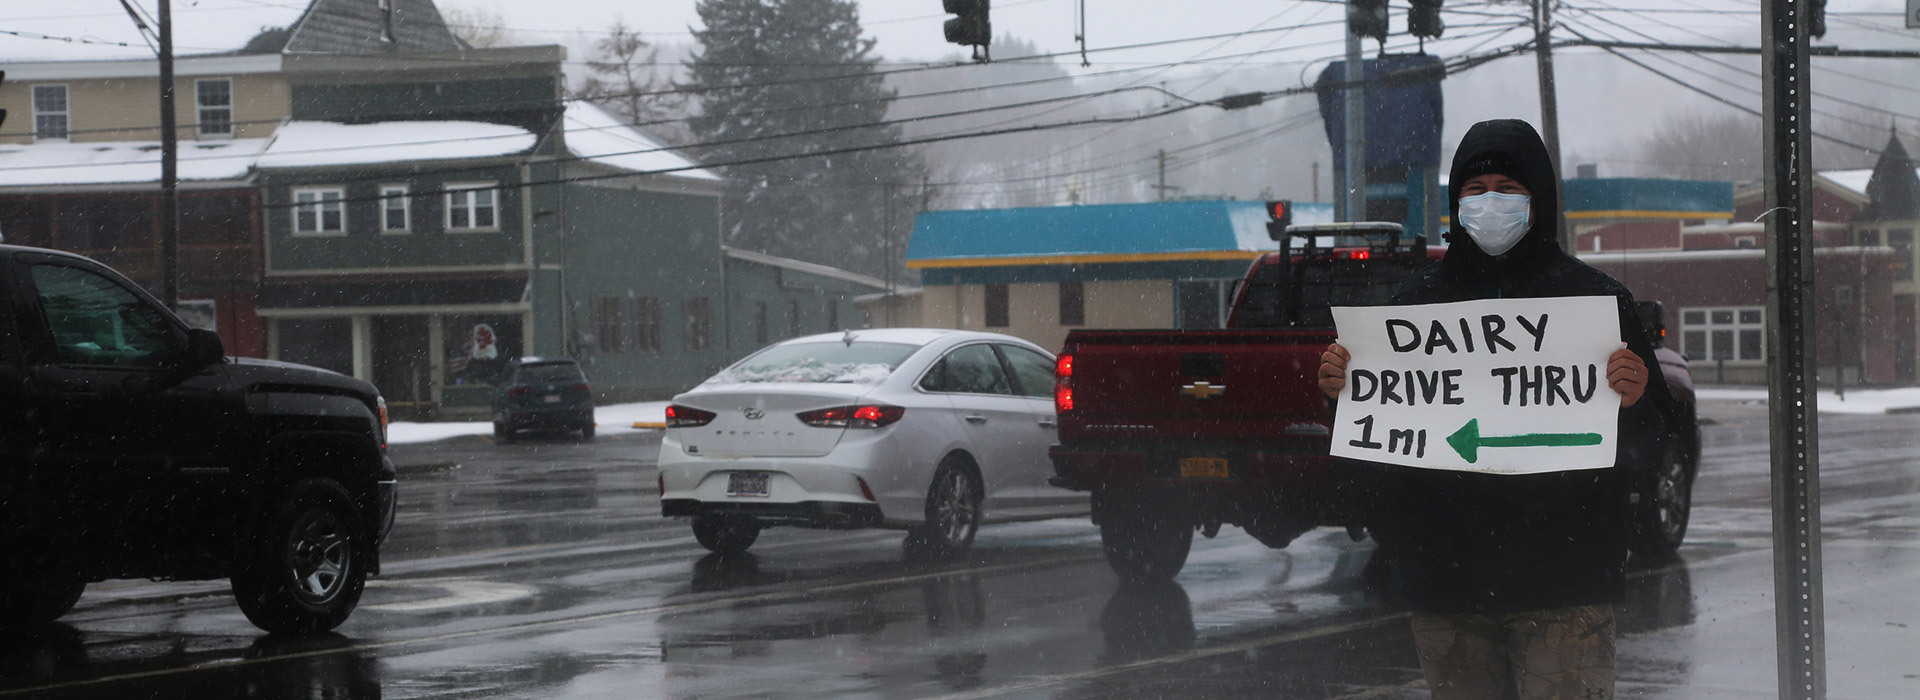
(1561,654)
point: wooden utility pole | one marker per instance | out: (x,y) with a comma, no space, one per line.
(1549,103)
(169,168)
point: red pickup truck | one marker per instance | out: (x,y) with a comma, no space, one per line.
(1178,430)
(1181,430)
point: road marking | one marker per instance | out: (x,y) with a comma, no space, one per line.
(770,596)
(1183,657)
(459,593)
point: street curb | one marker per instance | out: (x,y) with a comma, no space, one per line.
(438,465)
(649,425)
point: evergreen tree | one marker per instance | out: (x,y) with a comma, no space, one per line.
(769,69)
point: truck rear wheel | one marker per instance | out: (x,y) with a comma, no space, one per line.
(33,601)
(1143,543)
(302,572)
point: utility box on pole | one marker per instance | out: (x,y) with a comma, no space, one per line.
(1400,172)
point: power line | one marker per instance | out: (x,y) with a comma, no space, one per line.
(1606,46)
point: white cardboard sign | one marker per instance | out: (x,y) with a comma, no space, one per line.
(1502,386)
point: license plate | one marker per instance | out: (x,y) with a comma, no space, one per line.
(1203,468)
(747,483)
(550,398)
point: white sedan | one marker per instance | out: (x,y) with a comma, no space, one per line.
(926,430)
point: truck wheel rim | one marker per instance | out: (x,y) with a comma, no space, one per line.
(320,555)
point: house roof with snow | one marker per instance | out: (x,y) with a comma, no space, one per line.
(307,144)
(1098,233)
(363,26)
(597,136)
(122,163)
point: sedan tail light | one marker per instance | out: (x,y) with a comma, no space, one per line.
(869,416)
(517,391)
(679,416)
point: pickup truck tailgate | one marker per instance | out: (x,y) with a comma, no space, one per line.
(1216,386)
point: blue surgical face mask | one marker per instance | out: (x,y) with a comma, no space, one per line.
(1496,220)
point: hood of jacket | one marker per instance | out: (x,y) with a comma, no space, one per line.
(1513,148)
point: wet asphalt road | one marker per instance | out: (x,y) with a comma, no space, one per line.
(541,570)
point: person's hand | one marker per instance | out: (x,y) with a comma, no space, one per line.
(1333,370)
(1625,373)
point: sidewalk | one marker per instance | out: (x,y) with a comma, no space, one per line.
(1858,402)
(613,419)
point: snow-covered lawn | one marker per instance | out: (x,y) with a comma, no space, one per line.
(1866,401)
(617,418)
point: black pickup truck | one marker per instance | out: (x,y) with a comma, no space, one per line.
(132,447)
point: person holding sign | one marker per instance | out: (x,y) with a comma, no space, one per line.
(1507,539)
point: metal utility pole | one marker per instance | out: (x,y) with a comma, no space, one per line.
(1798,611)
(1549,103)
(169,168)
(1354,179)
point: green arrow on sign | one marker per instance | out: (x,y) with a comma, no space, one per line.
(1467,440)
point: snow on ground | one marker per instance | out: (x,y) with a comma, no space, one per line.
(617,418)
(1864,401)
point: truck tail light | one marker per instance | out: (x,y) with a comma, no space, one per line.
(868,416)
(679,416)
(1063,384)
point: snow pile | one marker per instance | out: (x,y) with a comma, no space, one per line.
(596,135)
(610,420)
(306,144)
(115,162)
(1856,402)
(809,370)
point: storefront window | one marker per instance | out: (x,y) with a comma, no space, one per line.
(479,347)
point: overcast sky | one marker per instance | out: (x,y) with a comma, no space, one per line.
(1604,100)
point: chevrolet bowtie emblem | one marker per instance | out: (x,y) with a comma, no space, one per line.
(1202,390)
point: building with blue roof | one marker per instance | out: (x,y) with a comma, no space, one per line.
(1036,272)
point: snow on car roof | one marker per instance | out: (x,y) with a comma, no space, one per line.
(911,336)
(312,143)
(114,162)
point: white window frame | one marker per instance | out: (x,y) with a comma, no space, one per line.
(66,115)
(201,108)
(1700,320)
(471,208)
(389,194)
(318,206)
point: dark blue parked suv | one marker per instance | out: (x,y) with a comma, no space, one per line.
(543,394)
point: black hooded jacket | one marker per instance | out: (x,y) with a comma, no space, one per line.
(1469,542)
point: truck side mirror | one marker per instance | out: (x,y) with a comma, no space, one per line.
(203,348)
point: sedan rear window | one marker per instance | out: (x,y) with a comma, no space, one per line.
(829,363)
(553,372)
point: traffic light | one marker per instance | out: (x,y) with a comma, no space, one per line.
(1817,18)
(1368,18)
(1279,217)
(970,27)
(1423,19)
